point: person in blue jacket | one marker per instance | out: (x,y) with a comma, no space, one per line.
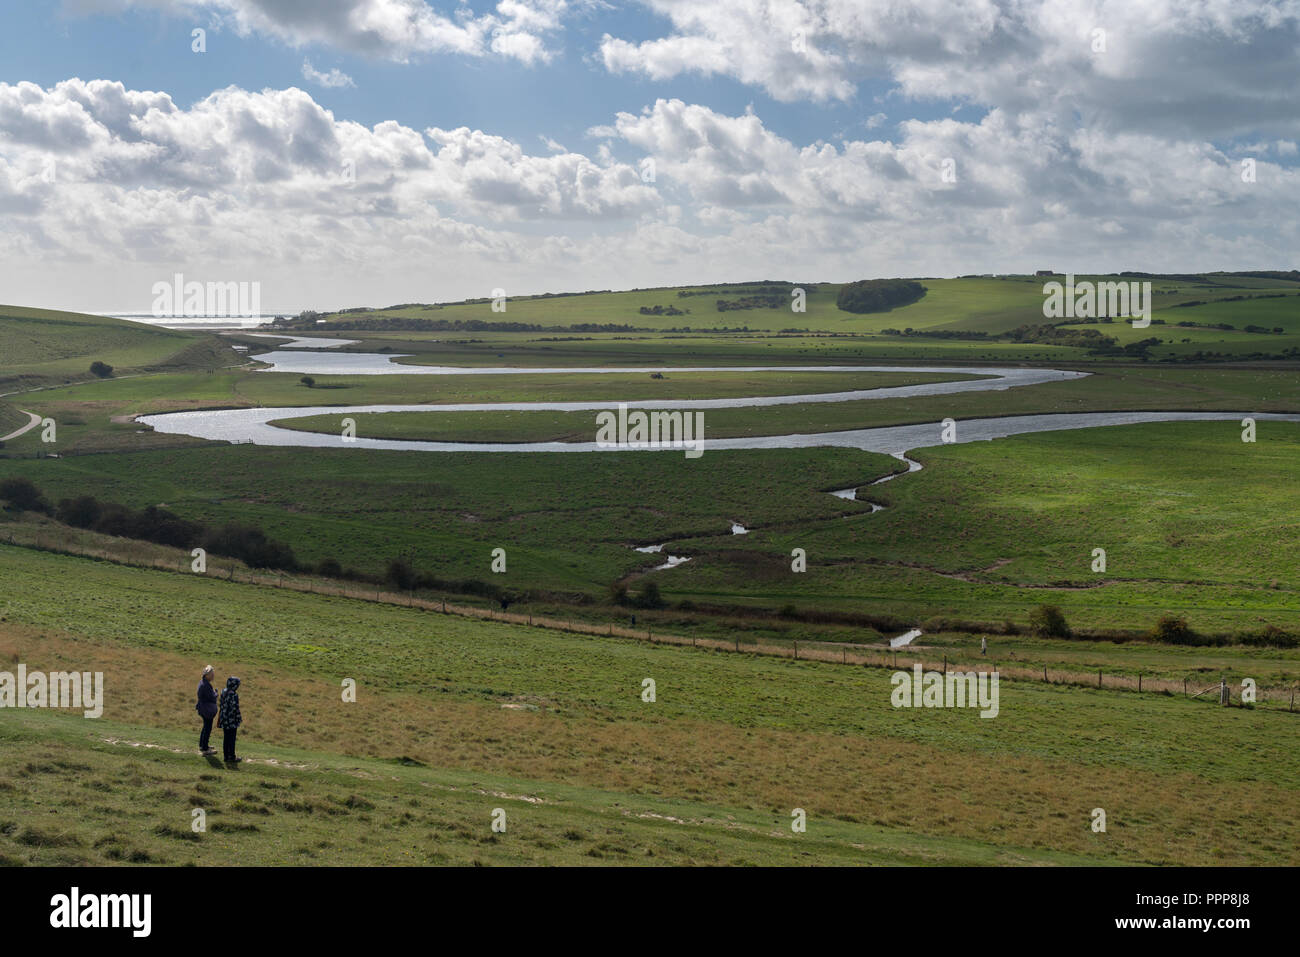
(206,706)
(230,719)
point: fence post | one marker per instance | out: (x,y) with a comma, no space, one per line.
(1224,697)
(1292,708)
(796,650)
(1139,681)
(1098,677)
(945,665)
(1184,687)
(844,656)
(737,646)
(1044,674)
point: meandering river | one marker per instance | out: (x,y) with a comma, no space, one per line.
(253,425)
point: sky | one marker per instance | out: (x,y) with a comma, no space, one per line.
(347,153)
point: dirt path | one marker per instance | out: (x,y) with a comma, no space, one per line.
(36,420)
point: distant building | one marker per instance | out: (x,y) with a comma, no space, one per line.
(1045,272)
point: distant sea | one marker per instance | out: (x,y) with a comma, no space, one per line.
(199,322)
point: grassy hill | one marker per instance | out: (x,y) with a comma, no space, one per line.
(993,305)
(41,347)
(455,717)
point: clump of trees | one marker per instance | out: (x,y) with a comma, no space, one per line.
(152,524)
(308,381)
(753,302)
(101,369)
(649,596)
(878,295)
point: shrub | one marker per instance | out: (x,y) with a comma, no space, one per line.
(650,597)
(1048,621)
(308,381)
(250,545)
(401,574)
(81,512)
(101,369)
(23,496)
(1173,630)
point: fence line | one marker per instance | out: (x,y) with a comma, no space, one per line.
(832,652)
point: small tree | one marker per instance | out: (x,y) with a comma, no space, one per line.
(1048,621)
(401,573)
(308,381)
(101,369)
(1173,630)
(650,597)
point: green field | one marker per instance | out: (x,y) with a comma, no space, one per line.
(1163,499)
(731,745)
(990,304)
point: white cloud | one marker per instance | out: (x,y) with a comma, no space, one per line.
(334,79)
(384,29)
(270,185)
(1217,67)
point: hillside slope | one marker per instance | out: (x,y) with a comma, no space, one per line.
(40,347)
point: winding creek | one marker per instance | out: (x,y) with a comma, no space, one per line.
(306,357)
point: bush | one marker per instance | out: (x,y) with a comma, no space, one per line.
(250,545)
(101,369)
(1173,630)
(23,496)
(401,574)
(1048,621)
(82,512)
(308,381)
(1273,637)
(650,597)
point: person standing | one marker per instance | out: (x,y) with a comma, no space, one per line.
(230,719)
(984,645)
(206,706)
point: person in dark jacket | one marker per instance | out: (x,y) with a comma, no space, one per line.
(229,718)
(206,706)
